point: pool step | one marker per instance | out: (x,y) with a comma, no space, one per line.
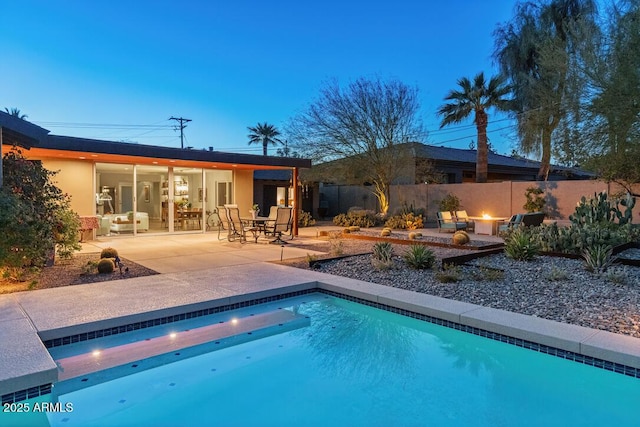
(87,369)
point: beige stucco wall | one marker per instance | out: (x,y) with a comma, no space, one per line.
(243,190)
(502,198)
(75,178)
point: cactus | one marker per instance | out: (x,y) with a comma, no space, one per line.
(105,266)
(108,253)
(460,237)
(628,202)
(593,211)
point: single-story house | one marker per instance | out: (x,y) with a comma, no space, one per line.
(135,188)
(456,165)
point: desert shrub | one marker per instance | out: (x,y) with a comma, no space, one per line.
(598,258)
(108,253)
(405,221)
(91,267)
(361,218)
(105,266)
(419,257)
(557,274)
(617,275)
(460,237)
(484,273)
(354,229)
(449,274)
(415,235)
(382,256)
(305,219)
(520,245)
(385,232)
(336,244)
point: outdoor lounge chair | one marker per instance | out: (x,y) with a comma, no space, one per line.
(532,219)
(461,216)
(281,224)
(448,223)
(237,228)
(514,222)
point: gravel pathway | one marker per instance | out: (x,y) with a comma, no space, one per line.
(553,288)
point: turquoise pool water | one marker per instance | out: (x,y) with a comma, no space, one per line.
(358,366)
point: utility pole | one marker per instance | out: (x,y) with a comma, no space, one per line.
(183,125)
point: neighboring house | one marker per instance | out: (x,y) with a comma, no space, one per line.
(424,164)
(457,165)
(118,182)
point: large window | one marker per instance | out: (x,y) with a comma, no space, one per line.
(158,199)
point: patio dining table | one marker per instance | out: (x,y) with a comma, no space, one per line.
(257,222)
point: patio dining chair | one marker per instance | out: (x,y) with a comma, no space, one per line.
(223,221)
(281,224)
(237,228)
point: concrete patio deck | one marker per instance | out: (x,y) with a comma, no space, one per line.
(198,272)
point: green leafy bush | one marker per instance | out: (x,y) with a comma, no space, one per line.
(450,203)
(520,245)
(35,216)
(419,257)
(535,200)
(360,218)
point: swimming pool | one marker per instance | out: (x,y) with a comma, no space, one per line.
(348,364)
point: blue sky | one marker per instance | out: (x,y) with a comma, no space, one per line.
(75,66)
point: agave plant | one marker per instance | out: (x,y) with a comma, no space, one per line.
(521,246)
(382,257)
(598,258)
(419,257)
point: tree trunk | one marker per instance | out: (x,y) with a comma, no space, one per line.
(482,161)
(545,161)
(382,194)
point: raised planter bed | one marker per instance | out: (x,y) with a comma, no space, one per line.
(428,241)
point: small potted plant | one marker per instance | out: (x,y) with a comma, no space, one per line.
(254,210)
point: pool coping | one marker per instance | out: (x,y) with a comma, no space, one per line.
(32,370)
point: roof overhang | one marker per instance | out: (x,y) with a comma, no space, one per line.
(16,131)
(63,147)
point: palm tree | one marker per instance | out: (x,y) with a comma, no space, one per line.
(264,134)
(476,97)
(15,112)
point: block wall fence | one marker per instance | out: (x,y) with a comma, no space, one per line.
(504,198)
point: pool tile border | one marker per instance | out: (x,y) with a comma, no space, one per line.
(45,389)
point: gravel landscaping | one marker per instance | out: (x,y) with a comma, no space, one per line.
(559,289)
